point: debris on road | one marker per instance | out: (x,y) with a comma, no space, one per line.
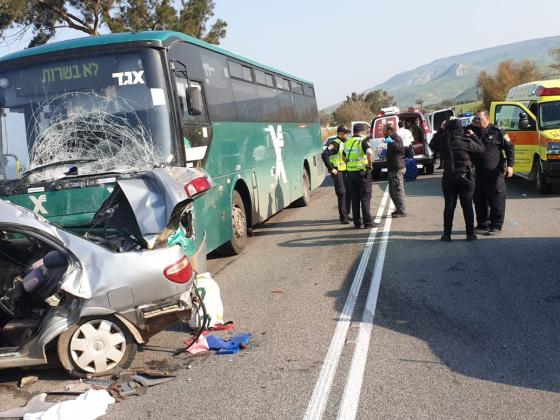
(232,346)
(36,404)
(88,406)
(137,383)
(200,345)
(27,380)
(227,326)
(209,291)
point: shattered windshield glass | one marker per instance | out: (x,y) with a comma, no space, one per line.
(84,116)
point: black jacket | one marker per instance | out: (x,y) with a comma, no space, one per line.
(496,144)
(456,150)
(395,154)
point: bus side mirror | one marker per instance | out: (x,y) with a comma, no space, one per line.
(196,104)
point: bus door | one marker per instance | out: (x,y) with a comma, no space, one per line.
(195,126)
(520,125)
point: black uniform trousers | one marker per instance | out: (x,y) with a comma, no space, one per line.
(342,190)
(490,199)
(453,186)
(360,190)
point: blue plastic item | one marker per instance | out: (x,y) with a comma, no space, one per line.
(231,346)
(388,140)
(411,170)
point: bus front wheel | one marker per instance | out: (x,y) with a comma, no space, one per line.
(238,239)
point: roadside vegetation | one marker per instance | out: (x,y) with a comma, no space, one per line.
(45,17)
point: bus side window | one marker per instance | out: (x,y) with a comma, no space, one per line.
(182,91)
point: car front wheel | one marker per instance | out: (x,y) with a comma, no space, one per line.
(96,347)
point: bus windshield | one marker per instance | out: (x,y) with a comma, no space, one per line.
(549,114)
(84,116)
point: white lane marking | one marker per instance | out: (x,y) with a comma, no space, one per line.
(320,396)
(351,397)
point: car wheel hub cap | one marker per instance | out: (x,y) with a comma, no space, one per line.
(97,346)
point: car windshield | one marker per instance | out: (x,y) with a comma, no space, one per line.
(84,116)
(549,115)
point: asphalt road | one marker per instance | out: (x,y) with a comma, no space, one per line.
(460,329)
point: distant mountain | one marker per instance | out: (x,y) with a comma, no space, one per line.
(455,77)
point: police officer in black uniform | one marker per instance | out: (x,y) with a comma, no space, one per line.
(490,191)
(334,159)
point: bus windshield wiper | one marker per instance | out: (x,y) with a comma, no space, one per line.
(48,165)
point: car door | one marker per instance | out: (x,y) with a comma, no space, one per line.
(438,117)
(508,116)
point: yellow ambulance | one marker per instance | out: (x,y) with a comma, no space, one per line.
(531,117)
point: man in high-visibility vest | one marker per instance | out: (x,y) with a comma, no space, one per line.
(359,162)
(333,157)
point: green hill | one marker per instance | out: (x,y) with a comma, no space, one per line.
(455,77)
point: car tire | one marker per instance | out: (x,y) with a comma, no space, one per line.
(543,187)
(239,228)
(305,199)
(97,346)
(429,169)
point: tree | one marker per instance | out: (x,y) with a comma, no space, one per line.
(378,99)
(508,74)
(45,17)
(192,19)
(326,118)
(352,111)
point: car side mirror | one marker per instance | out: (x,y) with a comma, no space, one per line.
(196,104)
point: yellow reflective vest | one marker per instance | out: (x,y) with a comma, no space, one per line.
(337,160)
(356,158)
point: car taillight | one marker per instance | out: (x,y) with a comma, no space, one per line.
(179,272)
(197,186)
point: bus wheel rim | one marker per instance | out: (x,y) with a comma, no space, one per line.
(239,224)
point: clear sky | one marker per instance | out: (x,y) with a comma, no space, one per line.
(352,45)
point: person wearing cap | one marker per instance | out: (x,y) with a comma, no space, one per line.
(333,157)
(359,162)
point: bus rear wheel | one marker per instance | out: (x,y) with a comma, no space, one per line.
(305,199)
(236,244)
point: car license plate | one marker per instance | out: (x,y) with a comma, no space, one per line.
(383,169)
(419,165)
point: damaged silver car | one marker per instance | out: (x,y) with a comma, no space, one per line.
(90,299)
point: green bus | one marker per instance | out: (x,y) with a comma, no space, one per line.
(77,115)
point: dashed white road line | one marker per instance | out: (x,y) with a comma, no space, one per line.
(320,396)
(351,397)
